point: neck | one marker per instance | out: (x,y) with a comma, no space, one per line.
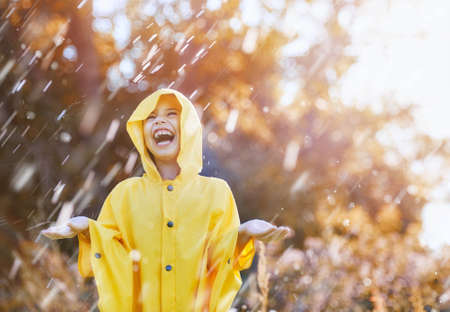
(167,169)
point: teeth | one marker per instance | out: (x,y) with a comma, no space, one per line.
(158,133)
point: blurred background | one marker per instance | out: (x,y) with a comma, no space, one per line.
(329,116)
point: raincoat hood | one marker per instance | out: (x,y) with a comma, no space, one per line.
(190,154)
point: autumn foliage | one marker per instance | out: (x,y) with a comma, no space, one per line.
(273,128)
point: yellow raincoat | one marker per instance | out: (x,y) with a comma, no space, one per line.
(166,245)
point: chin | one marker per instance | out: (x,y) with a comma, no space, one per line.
(164,154)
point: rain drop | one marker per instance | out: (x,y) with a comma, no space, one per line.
(47,86)
(231,121)
(61,115)
(30,115)
(65,137)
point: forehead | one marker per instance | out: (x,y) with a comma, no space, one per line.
(167,101)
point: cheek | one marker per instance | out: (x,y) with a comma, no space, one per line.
(176,125)
(147,136)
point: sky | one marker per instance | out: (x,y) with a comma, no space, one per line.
(403,49)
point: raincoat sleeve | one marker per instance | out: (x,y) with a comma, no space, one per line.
(225,261)
(105,255)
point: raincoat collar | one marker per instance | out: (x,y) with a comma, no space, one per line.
(190,155)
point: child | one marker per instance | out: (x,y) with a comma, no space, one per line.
(170,240)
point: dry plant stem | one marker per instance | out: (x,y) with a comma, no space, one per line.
(378,300)
(263,276)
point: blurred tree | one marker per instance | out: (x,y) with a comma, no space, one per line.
(265,90)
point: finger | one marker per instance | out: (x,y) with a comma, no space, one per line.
(75,226)
(67,232)
(260,232)
(79,223)
(285,233)
(72,226)
(48,231)
(260,228)
(267,237)
(268,231)
(284,230)
(291,232)
(58,232)
(52,235)
(278,235)
(48,234)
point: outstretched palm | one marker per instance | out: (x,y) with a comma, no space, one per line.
(263,231)
(68,230)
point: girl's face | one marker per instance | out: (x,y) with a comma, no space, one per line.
(162,129)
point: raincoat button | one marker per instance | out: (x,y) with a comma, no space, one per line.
(168,267)
(228,260)
(97,255)
(170,224)
(170,187)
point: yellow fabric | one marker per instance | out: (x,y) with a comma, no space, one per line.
(200,246)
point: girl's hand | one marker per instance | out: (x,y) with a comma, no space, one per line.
(265,231)
(70,229)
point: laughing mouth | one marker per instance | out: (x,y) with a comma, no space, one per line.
(163,136)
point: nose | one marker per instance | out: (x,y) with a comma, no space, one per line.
(159,120)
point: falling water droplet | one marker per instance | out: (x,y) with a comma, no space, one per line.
(81,4)
(291,155)
(152,37)
(206,107)
(61,115)
(47,86)
(112,131)
(130,162)
(65,137)
(200,13)
(184,49)
(8,121)
(79,67)
(65,160)
(181,69)
(158,67)
(232,120)
(57,192)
